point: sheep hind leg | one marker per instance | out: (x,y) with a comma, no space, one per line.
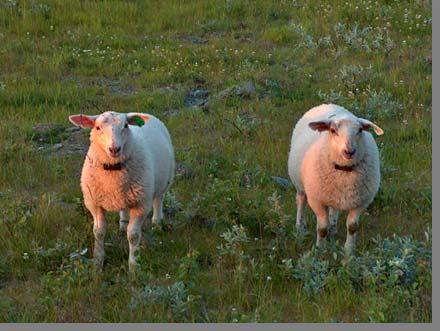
(124,217)
(134,236)
(300,206)
(157,209)
(333,215)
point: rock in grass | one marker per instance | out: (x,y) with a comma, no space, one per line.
(48,132)
(78,255)
(73,129)
(283,182)
(183,170)
(57,146)
(194,40)
(196,97)
(247,89)
(244,90)
(210,223)
(58,139)
(428,59)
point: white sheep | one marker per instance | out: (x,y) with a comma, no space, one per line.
(128,168)
(334,166)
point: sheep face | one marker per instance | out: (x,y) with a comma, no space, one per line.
(110,130)
(345,138)
(110,134)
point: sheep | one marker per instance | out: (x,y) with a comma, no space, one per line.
(128,168)
(334,166)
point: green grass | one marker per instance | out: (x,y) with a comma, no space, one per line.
(63,57)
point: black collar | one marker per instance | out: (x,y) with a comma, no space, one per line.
(114,166)
(345,168)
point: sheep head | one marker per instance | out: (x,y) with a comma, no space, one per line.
(346,137)
(110,131)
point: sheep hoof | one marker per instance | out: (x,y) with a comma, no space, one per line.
(123,226)
(301,229)
(332,231)
(121,238)
(98,264)
(346,259)
(156,222)
(321,242)
(157,226)
(132,267)
(349,250)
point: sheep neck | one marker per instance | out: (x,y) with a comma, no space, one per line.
(331,159)
(113,167)
(345,168)
(100,161)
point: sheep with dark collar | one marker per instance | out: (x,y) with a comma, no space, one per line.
(128,168)
(334,166)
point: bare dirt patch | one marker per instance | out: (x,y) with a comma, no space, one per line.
(58,139)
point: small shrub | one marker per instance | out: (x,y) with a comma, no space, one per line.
(174,297)
(235,239)
(280,35)
(331,97)
(367,39)
(380,105)
(397,262)
(312,271)
(188,267)
(354,77)
(278,222)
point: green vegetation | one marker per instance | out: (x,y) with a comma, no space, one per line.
(229,251)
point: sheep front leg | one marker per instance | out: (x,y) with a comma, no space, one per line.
(352,227)
(300,205)
(333,215)
(322,223)
(134,235)
(99,228)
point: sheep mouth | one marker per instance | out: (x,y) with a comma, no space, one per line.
(349,156)
(116,158)
(114,155)
(348,161)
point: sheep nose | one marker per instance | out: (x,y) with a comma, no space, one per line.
(349,153)
(114,150)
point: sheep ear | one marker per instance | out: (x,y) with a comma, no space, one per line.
(83,121)
(366,124)
(320,125)
(138,119)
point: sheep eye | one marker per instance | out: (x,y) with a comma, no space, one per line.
(126,125)
(360,130)
(97,128)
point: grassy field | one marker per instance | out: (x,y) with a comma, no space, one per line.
(228,251)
